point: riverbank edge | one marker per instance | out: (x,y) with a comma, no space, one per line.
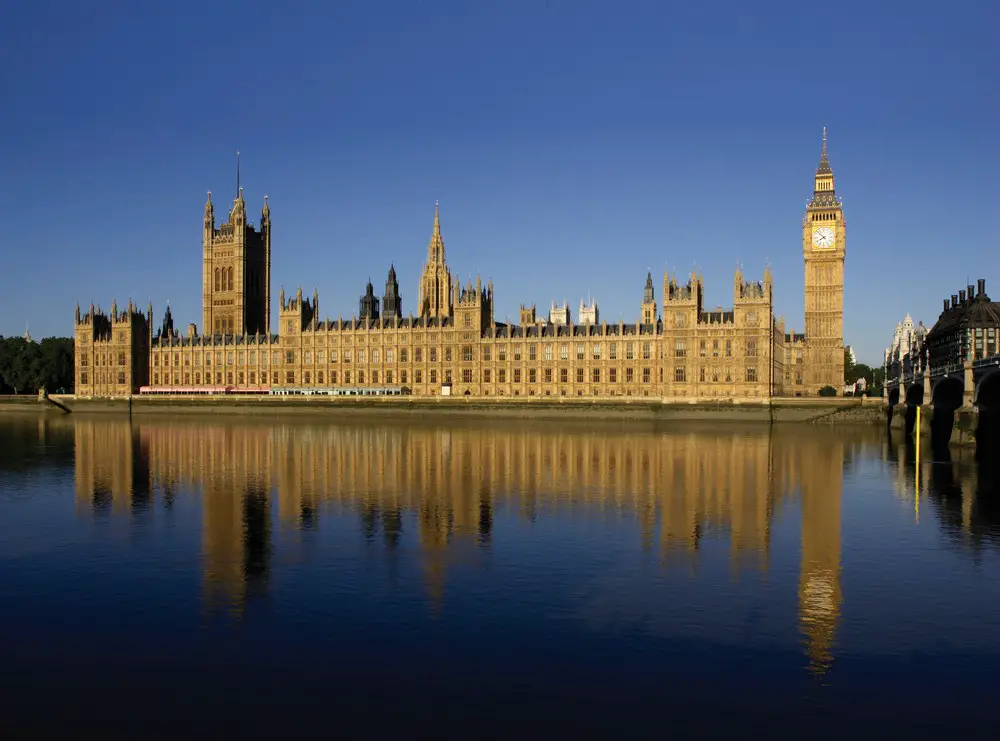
(837,411)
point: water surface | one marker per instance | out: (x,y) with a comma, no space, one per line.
(181,576)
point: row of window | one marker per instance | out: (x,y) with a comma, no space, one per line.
(103,378)
(102,359)
(718,349)
(224,279)
(547,375)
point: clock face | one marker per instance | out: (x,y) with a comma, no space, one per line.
(823,237)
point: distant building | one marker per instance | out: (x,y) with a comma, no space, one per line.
(906,353)
(857,388)
(589,313)
(559,315)
(850,353)
(967,329)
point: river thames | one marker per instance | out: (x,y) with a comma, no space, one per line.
(171,576)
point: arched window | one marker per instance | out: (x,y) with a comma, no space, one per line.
(230,279)
(218,279)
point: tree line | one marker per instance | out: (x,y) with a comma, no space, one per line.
(853,372)
(26,367)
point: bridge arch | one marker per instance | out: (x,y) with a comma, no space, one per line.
(946,398)
(988,391)
(948,393)
(893,396)
(915,395)
(988,402)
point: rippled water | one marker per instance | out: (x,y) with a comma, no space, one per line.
(178,576)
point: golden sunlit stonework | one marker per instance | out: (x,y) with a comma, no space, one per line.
(816,359)
(453,344)
(438,490)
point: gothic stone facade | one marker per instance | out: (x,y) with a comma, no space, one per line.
(112,350)
(679,349)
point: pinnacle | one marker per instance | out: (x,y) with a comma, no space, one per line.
(824,162)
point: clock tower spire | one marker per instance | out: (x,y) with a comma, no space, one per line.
(823,185)
(824,236)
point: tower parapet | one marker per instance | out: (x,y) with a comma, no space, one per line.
(527,315)
(589,313)
(560,315)
(473,305)
(111,351)
(297,313)
(682,303)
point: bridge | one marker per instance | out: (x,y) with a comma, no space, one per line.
(961,396)
(956,385)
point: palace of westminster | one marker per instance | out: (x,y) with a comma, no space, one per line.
(453,343)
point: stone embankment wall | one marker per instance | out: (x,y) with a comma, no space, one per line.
(819,411)
(964,426)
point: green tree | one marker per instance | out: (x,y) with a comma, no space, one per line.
(860,371)
(828,391)
(849,367)
(56,355)
(878,377)
(27,366)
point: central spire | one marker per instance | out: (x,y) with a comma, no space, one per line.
(239,188)
(435,250)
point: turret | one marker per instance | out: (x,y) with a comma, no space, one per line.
(368,305)
(392,304)
(648,301)
(209,216)
(527,314)
(589,314)
(681,303)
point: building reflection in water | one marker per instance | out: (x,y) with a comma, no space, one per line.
(450,483)
(964,495)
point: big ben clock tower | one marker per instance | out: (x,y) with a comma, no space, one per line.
(824,247)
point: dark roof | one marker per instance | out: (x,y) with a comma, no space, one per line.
(979,313)
(824,199)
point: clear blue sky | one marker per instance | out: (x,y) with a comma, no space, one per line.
(572,145)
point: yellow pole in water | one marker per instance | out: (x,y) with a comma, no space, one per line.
(916,472)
